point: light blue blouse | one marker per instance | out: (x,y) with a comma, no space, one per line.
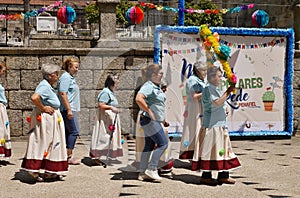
(194,84)
(108,97)
(213,116)
(2,95)
(47,94)
(155,99)
(67,83)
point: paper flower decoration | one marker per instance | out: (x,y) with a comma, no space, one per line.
(186,143)
(260,18)
(2,141)
(45,154)
(28,119)
(39,118)
(211,42)
(185,114)
(222,152)
(111,127)
(134,15)
(66,15)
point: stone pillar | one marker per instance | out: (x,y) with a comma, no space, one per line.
(107,21)
(296,12)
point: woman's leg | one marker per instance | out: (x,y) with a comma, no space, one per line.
(161,141)
(223,177)
(148,148)
(72,131)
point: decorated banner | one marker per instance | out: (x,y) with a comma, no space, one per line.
(260,58)
(179,52)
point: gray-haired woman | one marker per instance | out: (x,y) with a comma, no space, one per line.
(46,154)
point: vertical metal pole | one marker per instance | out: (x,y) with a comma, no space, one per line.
(26,23)
(6,24)
(181,5)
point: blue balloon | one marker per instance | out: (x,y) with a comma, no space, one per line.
(260,18)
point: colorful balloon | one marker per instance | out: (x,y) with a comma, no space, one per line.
(134,15)
(260,18)
(66,15)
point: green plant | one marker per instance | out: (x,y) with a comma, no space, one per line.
(121,9)
(92,13)
(195,19)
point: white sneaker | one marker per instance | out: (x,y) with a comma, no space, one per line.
(142,176)
(153,174)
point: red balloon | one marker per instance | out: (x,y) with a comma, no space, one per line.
(135,15)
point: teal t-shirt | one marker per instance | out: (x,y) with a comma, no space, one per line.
(67,83)
(155,99)
(2,95)
(213,116)
(47,94)
(108,97)
(194,84)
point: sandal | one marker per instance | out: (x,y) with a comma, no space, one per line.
(35,176)
(52,177)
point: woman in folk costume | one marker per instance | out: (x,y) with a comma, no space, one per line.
(107,116)
(215,152)
(46,154)
(166,163)
(189,146)
(5,143)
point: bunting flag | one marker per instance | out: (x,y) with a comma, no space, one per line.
(185,51)
(253,45)
(28,14)
(191,10)
(230,44)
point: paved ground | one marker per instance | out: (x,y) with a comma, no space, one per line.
(270,168)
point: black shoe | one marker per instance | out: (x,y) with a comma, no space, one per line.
(226,181)
(208,181)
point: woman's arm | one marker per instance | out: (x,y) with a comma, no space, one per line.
(196,96)
(141,102)
(36,99)
(220,101)
(102,106)
(66,104)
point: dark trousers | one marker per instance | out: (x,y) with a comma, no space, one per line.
(221,175)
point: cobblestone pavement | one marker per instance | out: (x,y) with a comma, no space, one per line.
(270,168)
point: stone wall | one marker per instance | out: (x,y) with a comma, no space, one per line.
(24,74)
(296,86)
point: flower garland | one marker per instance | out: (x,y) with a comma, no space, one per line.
(211,41)
(201,11)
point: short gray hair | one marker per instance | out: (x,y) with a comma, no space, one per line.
(49,69)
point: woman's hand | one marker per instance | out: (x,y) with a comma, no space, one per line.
(229,90)
(70,114)
(227,111)
(48,109)
(166,124)
(114,109)
(151,114)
